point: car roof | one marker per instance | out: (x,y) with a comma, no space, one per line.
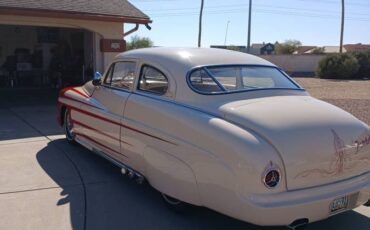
(187,58)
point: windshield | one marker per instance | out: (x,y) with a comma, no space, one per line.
(226,79)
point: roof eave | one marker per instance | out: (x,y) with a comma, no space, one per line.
(72,15)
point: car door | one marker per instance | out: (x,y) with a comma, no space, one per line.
(102,124)
(142,113)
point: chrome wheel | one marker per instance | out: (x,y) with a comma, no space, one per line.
(68,126)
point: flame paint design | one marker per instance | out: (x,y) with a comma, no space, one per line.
(341,156)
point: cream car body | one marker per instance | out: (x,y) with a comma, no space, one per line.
(214,150)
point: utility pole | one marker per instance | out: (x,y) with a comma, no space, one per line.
(342,30)
(249,26)
(200,24)
(227,28)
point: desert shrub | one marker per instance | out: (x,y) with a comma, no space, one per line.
(338,66)
(363,59)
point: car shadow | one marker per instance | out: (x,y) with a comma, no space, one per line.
(104,199)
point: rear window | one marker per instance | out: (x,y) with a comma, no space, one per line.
(224,79)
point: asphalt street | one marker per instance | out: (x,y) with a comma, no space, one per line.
(45,183)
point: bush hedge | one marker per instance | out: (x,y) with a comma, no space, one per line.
(354,65)
(338,66)
(363,59)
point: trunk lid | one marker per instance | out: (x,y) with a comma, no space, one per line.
(318,142)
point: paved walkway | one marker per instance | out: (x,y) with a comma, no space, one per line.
(45,183)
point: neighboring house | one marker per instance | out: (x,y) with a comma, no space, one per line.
(42,39)
(356,47)
(348,48)
(305,49)
(262,49)
(267,49)
(332,49)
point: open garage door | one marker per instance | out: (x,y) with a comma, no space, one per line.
(34,57)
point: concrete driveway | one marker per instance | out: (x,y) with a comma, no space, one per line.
(45,183)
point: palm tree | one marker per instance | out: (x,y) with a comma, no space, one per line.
(200,24)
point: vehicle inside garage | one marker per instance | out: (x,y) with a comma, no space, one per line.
(44,57)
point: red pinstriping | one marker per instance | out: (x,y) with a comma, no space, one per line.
(85,103)
(147,134)
(113,122)
(95,115)
(79,92)
(98,143)
(98,131)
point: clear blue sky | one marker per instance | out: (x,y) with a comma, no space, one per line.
(313,22)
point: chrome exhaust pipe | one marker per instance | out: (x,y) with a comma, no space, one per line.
(131,174)
(298,224)
(139,178)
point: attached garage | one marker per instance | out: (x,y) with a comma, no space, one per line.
(57,43)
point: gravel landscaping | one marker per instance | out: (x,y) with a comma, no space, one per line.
(351,95)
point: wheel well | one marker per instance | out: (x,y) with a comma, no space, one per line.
(62,112)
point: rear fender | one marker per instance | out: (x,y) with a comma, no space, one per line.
(170,175)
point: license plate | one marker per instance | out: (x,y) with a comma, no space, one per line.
(339,204)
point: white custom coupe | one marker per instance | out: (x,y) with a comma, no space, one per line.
(224,130)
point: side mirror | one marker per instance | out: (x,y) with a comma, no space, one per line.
(97,79)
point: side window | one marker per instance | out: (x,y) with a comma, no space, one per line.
(108,77)
(153,81)
(121,75)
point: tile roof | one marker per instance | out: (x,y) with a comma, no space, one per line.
(356,47)
(118,8)
(304,49)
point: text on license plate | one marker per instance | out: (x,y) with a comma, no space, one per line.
(339,204)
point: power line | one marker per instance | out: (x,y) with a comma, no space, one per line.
(261,11)
(334,2)
(243,7)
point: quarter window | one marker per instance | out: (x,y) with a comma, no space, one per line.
(121,75)
(153,81)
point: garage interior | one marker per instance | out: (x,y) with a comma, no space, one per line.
(33,57)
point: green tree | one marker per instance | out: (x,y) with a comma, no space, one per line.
(137,42)
(287,47)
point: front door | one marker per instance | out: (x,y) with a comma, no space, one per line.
(103,125)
